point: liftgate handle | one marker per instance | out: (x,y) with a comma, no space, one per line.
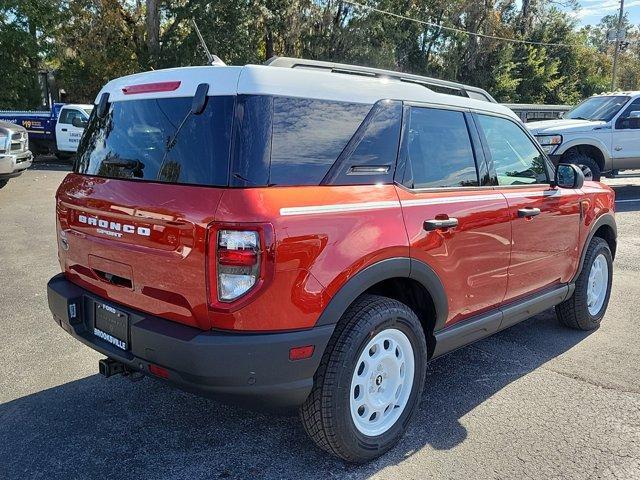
(430,225)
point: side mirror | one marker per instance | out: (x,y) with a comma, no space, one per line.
(79,122)
(569,175)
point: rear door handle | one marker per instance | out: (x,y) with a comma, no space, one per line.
(63,129)
(528,212)
(431,225)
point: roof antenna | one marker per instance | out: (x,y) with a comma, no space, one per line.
(211,59)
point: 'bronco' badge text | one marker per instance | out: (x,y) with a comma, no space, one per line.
(113,229)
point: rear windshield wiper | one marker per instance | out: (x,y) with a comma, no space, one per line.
(124,163)
(197,107)
(135,166)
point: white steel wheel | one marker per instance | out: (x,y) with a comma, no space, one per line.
(597,284)
(381,383)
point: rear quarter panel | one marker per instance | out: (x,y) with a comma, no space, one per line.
(323,236)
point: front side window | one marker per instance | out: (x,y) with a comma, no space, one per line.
(515,157)
(630,118)
(67,115)
(438,150)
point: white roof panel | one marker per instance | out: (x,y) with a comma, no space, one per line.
(304,83)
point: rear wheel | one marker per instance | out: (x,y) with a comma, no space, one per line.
(588,304)
(369,381)
(3,182)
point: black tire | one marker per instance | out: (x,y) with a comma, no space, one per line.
(326,414)
(574,312)
(65,156)
(583,160)
(3,182)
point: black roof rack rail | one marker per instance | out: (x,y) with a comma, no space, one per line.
(436,84)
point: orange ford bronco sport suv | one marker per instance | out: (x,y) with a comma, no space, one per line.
(309,237)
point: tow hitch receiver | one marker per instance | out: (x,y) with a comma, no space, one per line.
(109,367)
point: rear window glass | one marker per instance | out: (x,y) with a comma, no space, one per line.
(158,140)
(308,136)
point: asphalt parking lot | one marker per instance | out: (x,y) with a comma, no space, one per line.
(535,401)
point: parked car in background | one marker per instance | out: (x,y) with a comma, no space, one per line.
(15,156)
(535,112)
(601,135)
(311,238)
(56,131)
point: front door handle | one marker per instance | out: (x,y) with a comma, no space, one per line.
(63,129)
(431,225)
(528,212)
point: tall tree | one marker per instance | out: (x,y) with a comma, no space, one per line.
(153,29)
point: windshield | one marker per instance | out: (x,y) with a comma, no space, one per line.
(598,108)
(88,111)
(136,140)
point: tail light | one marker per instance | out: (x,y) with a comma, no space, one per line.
(239,261)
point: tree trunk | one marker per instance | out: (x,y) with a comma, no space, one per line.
(153,29)
(268,40)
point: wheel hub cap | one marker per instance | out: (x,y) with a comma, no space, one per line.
(598,284)
(382,381)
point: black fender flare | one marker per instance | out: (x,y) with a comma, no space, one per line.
(604,219)
(397,267)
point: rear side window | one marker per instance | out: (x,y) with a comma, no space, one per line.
(438,150)
(515,158)
(158,140)
(308,136)
(370,156)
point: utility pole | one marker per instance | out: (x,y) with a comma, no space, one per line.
(617,47)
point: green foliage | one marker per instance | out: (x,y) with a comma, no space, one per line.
(88,42)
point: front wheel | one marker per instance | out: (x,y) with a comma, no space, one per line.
(3,182)
(588,304)
(369,381)
(588,165)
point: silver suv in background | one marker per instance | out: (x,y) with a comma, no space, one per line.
(15,156)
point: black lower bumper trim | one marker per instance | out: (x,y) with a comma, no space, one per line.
(252,369)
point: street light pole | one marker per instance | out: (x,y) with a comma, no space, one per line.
(617,47)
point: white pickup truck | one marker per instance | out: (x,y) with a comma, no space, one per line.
(601,135)
(53,131)
(15,156)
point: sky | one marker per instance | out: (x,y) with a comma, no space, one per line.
(592,11)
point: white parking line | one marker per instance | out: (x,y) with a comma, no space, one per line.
(628,200)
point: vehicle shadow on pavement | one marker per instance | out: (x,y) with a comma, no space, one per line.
(51,163)
(113,428)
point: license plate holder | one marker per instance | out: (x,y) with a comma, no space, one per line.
(111,325)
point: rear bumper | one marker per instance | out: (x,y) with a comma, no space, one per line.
(12,165)
(252,369)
